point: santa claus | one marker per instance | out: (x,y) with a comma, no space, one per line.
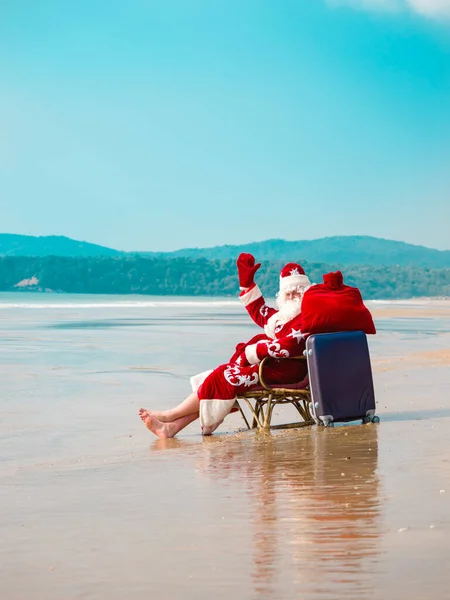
(214,392)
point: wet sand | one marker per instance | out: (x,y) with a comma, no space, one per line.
(93,507)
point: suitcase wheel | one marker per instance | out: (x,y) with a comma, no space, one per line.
(374,419)
(329,424)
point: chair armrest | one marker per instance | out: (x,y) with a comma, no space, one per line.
(261,369)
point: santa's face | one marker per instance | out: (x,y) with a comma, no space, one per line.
(290,302)
(292,295)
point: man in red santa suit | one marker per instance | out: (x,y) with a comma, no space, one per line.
(214,392)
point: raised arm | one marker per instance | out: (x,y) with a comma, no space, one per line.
(256,307)
(251,296)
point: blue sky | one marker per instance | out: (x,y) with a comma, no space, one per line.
(155,125)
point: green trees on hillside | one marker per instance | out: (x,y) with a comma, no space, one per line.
(201,277)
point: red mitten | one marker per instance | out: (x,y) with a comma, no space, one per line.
(246,269)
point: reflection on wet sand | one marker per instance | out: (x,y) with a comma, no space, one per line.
(313,499)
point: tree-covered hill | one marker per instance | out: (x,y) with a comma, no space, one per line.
(51,245)
(338,250)
(342,250)
(200,277)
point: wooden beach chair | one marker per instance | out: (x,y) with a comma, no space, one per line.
(262,400)
(338,373)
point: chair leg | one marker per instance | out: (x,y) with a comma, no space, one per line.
(306,409)
(268,415)
(256,413)
(242,414)
(262,408)
(259,410)
(300,409)
(302,406)
(255,416)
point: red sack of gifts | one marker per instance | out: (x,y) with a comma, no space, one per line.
(332,306)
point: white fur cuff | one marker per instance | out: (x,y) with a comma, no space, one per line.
(253,294)
(197,380)
(293,281)
(213,412)
(251,355)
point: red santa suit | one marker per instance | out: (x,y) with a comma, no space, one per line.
(282,338)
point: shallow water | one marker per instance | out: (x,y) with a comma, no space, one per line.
(93,507)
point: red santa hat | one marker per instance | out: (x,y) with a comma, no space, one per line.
(293,276)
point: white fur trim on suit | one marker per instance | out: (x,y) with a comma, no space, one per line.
(292,281)
(253,294)
(197,380)
(251,355)
(276,320)
(269,327)
(213,412)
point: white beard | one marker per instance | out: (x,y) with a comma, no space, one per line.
(289,309)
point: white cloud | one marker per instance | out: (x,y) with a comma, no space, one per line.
(427,8)
(432,8)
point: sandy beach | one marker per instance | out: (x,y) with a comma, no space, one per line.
(92,506)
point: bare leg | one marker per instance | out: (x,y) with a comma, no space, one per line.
(166,430)
(187,407)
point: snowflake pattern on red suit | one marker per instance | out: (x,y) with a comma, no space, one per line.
(275,351)
(297,334)
(264,311)
(235,378)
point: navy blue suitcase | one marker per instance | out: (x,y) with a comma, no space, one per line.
(340,377)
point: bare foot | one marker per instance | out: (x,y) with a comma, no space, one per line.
(162,430)
(160,415)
